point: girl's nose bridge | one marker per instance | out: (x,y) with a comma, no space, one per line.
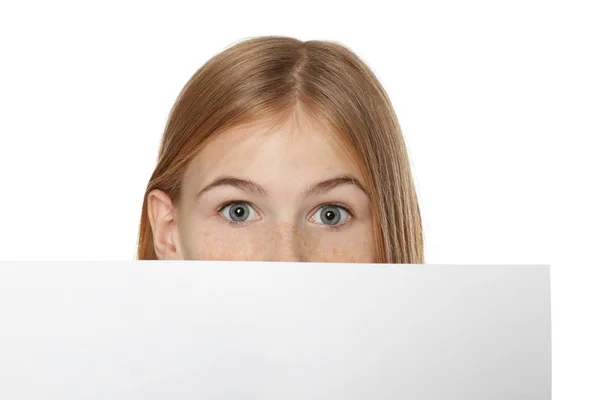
(285,242)
(282,233)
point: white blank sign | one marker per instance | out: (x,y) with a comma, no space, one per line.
(273,330)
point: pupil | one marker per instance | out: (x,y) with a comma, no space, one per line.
(238,213)
(330,215)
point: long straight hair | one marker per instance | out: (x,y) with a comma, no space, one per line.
(268,76)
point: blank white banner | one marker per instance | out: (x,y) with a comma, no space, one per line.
(273,330)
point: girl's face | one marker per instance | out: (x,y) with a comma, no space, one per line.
(261,194)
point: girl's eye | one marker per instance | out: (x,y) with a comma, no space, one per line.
(331,215)
(238,212)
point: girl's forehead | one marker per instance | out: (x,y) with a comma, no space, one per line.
(299,127)
(300,138)
(306,148)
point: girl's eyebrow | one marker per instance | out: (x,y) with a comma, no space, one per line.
(250,186)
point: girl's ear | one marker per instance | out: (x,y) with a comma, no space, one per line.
(161,214)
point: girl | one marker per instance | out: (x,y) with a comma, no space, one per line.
(282,150)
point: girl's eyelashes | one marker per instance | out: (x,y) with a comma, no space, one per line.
(330,216)
(237,213)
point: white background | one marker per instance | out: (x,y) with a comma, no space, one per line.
(499,106)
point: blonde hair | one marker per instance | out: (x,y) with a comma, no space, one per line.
(270,76)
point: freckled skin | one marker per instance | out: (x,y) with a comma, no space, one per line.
(284,161)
